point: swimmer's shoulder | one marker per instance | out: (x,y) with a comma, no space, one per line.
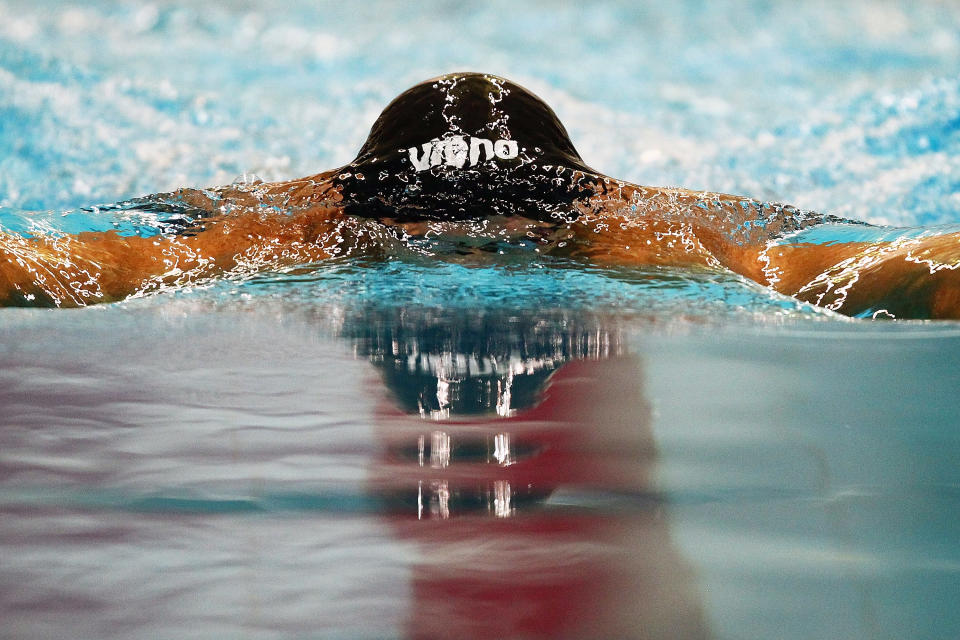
(615,193)
(316,189)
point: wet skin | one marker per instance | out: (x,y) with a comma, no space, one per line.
(627,225)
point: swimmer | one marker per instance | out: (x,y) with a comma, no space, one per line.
(469,154)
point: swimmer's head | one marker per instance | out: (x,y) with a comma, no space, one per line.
(465,145)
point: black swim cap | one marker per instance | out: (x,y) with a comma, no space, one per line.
(465,145)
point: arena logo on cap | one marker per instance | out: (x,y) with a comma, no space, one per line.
(457,151)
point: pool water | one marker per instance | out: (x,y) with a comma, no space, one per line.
(520,447)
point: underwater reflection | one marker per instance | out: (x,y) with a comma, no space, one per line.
(518,456)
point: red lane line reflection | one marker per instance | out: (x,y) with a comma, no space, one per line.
(498,561)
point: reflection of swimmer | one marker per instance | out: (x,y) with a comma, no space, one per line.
(529,498)
(471,154)
(520,565)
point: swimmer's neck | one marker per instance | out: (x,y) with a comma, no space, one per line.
(513,226)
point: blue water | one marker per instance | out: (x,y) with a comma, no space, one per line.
(240,458)
(852,110)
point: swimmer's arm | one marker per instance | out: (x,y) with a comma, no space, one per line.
(916,278)
(91,267)
(908,278)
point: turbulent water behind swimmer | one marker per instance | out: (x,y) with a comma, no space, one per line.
(864,127)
